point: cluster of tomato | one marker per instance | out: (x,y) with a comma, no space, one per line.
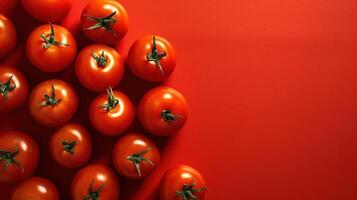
(52,48)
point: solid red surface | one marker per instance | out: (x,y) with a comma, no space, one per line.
(271,87)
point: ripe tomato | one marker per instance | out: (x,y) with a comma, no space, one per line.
(7,36)
(95,182)
(152,58)
(47,11)
(135,156)
(182,182)
(13,89)
(104,21)
(7,6)
(71,146)
(53,102)
(19,156)
(163,111)
(112,113)
(51,48)
(36,188)
(99,67)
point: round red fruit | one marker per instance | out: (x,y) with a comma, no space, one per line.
(36,188)
(47,11)
(7,36)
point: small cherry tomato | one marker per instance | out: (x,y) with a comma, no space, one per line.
(7,36)
(51,48)
(71,146)
(53,102)
(135,156)
(47,11)
(104,21)
(19,155)
(182,182)
(7,6)
(112,113)
(95,182)
(13,89)
(152,58)
(163,111)
(35,188)
(99,67)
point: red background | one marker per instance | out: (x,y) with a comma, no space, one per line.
(271,87)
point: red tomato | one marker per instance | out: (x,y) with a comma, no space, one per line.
(112,113)
(35,188)
(163,111)
(135,156)
(47,11)
(7,36)
(152,58)
(7,6)
(71,146)
(13,89)
(53,103)
(95,182)
(19,156)
(51,48)
(104,21)
(182,182)
(99,67)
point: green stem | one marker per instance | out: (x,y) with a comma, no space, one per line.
(7,158)
(168,116)
(104,22)
(93,194)
(69,146)
(156,56)
(188,192)
(101,60)
(50,39)
(138,158)
(112,101)
(7,87)
(51,100)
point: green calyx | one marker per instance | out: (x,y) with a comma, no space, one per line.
(93,194)
(7,87)
(138,157)
(112,101)
(7,158)
(101,60)
(188,192)
(51,100)
(168,116)
(156,56)
(69,146)
(50,40)
(104,22)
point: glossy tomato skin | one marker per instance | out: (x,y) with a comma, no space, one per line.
(36,188)
(53,115)
(101,9)
(153,105)
(130,146)
(98,176)
(7,6)
(114,121)
(7,36)
(27,156)
(16,96)
(146,69)
(70,146)
(94,75)
(47,11)
(175,178)
(54,58)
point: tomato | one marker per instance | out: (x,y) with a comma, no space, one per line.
(47,11)
(35,188)
(7,36)
(163,111)
(7,6)
(182,182)
(104,21)
(99,67)
(51,48)
(19,156)
(152,58)
(135,156)
(95,182)
(13,89)
(53,102)
(71,146)
(112,113)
